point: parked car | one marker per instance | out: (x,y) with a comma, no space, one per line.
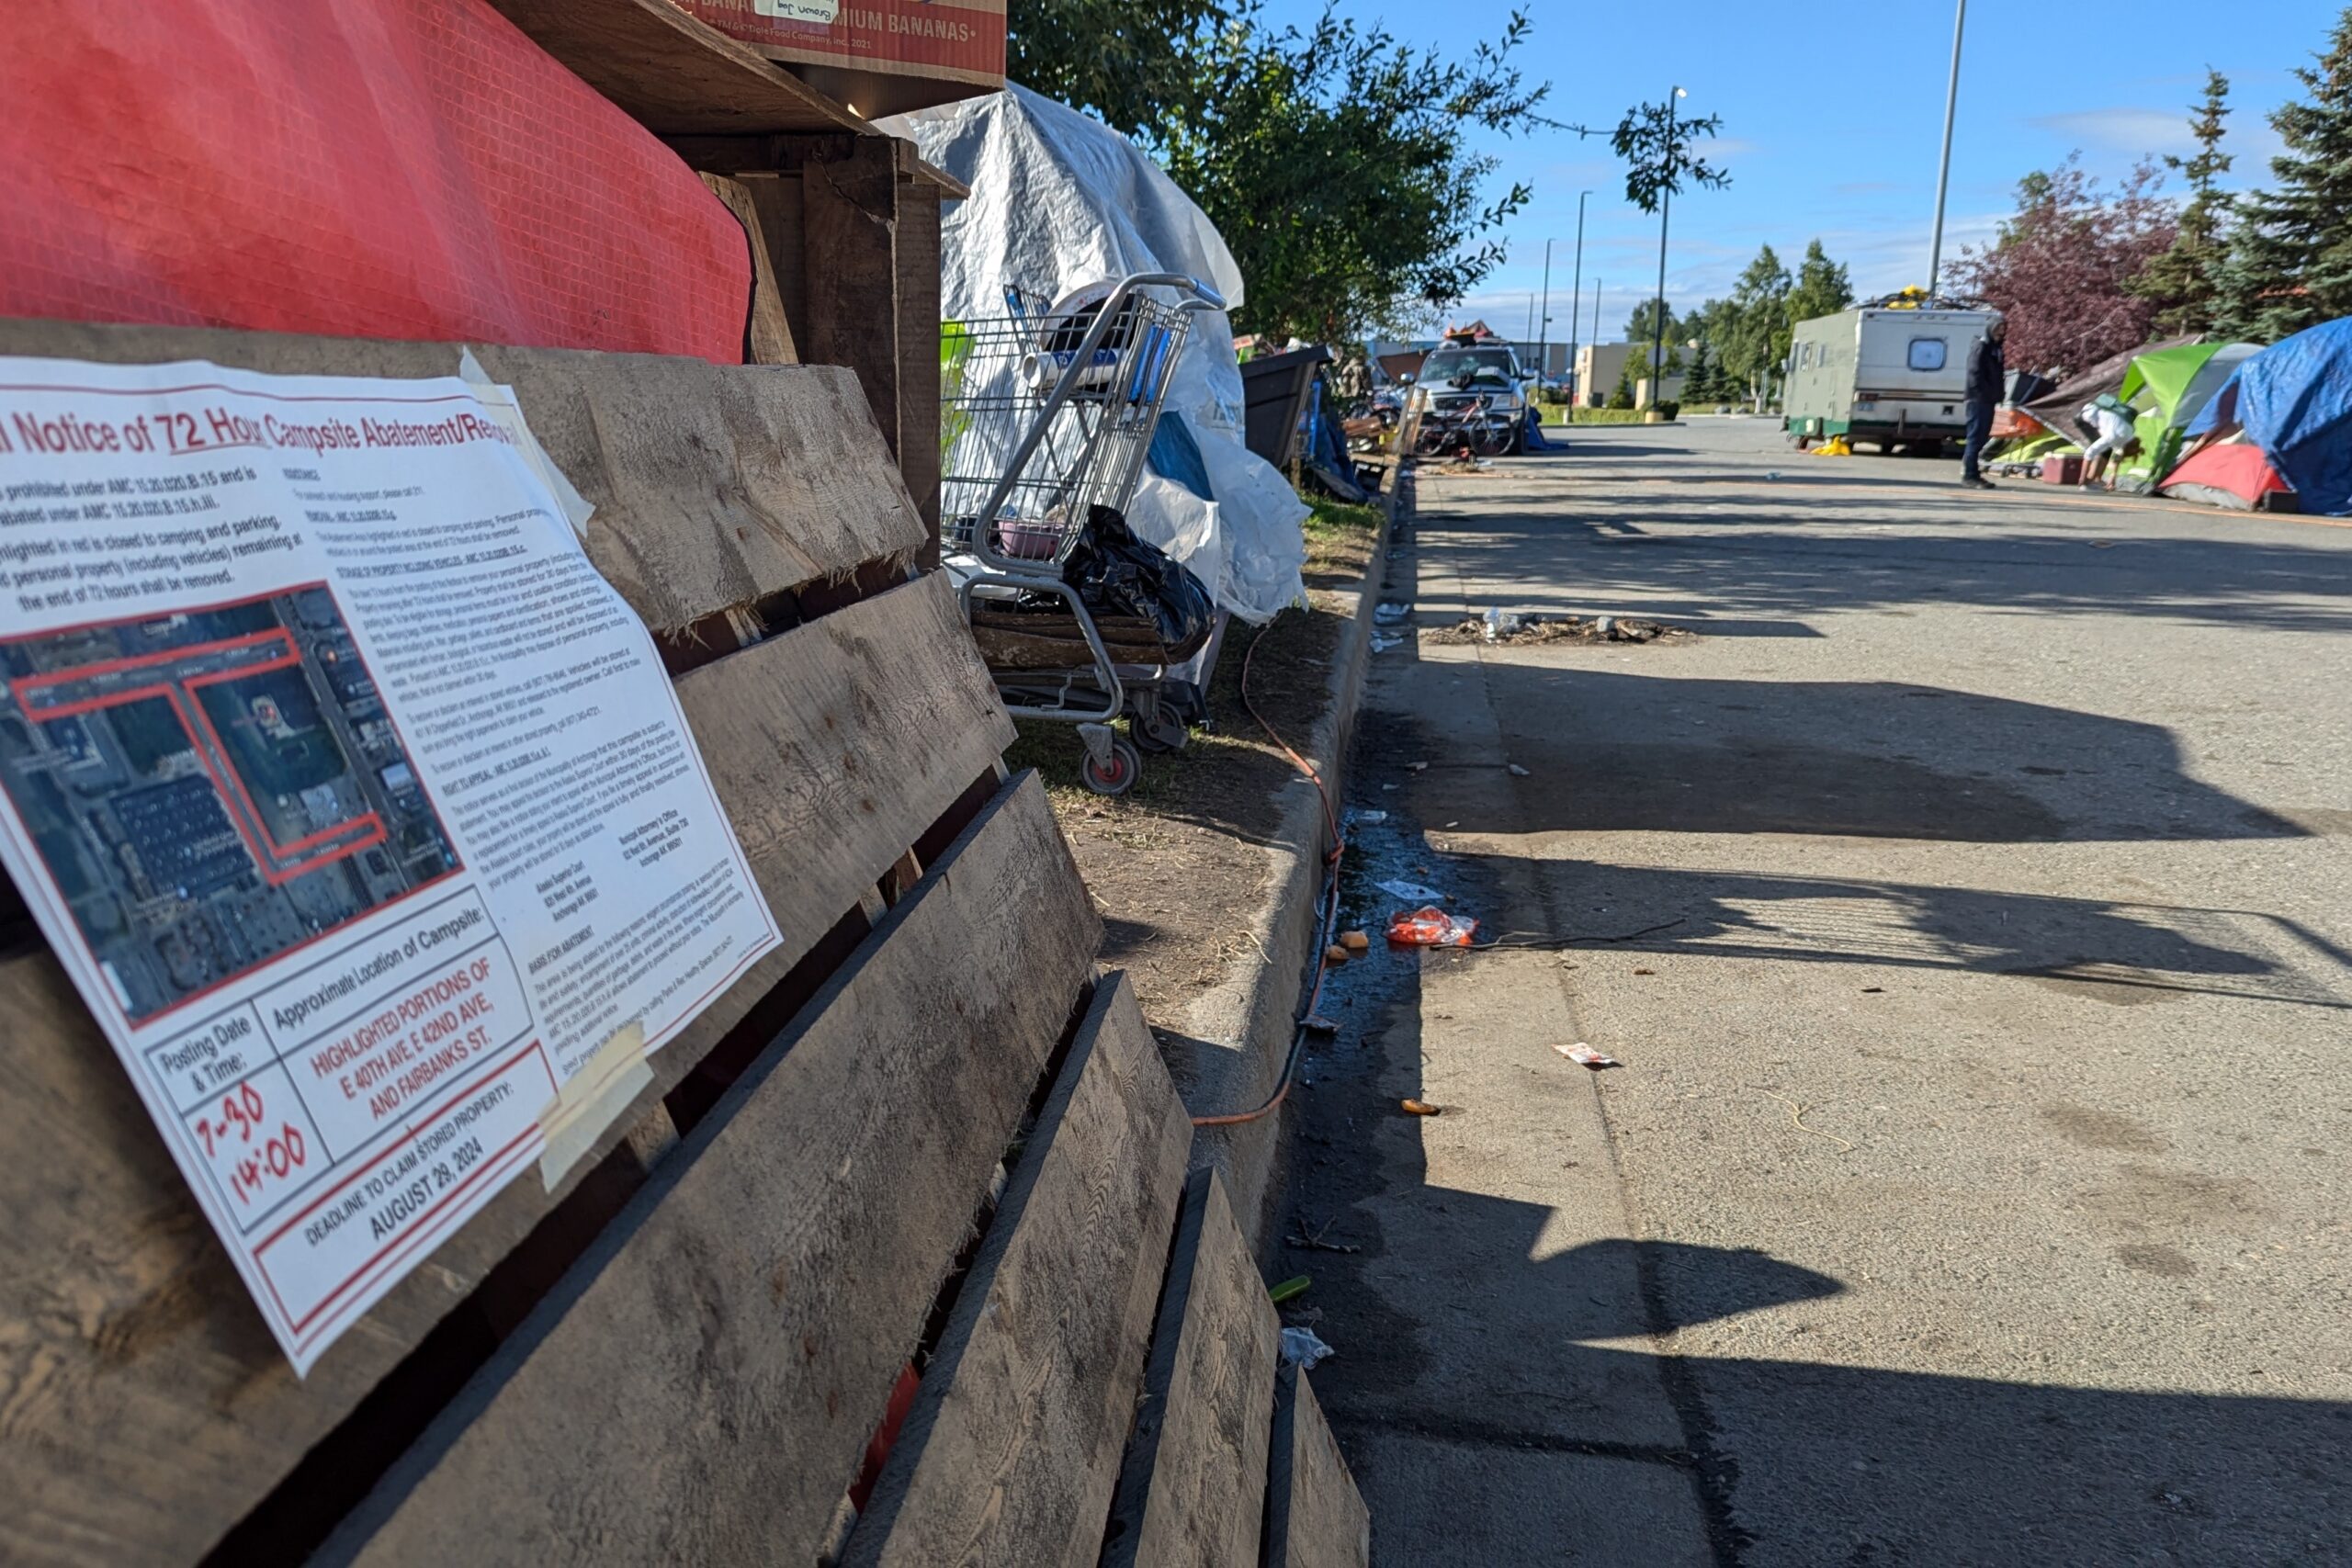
(1456,379)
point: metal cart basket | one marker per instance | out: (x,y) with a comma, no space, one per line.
(1047,414)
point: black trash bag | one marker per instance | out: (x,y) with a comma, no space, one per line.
(1119,575)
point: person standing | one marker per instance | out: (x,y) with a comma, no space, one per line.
(1989,375)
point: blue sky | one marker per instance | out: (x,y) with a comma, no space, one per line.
(1832,116)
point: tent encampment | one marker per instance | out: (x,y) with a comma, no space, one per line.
(2061,411)
(2293,402)
(2170,387)
(2228,473)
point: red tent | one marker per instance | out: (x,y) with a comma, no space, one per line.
(2234,474)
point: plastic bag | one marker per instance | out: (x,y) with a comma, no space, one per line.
(1428,927)
(1117,574)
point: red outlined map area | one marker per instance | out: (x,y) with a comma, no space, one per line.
(175,678)
(211,789)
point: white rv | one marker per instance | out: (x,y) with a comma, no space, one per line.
(1888,374)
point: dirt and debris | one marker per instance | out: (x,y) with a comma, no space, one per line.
(1506,626)
(1170,862)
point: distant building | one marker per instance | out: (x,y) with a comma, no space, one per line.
(1600,366)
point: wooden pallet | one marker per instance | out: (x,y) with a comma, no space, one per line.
(926,1134)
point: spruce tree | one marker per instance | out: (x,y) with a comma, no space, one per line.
(2291,256)
(2183,282)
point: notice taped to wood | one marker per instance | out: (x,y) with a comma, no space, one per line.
(356,802)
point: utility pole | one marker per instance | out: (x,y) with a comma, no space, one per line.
(1576,294)
(1544,318)
(1665,202)
(1943,164)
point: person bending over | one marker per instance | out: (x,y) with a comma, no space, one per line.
(2115,435)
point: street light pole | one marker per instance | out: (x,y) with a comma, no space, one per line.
(1943,165)
(1576,294)
(1665,202)
(1543,317)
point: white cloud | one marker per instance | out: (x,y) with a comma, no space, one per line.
(2133,130)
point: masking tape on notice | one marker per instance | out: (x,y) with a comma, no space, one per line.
(594,1099)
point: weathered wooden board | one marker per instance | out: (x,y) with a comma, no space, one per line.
(832,748)
(705,1395)
(849,216)
(918,306)
(127,1343)
(672,73)
(713,485)
(1012,1448)
(1315,1515)
(1192,1492)
(768,337)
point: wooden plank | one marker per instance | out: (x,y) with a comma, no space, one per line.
(767,338)
(1192,1489)
(726,484)
(777,197)
(918,377)
(673,75)
(1013,1447)
(849,215)
(1315,1515)
(704,1387)
(128,1344)
(832,748)
(713,485)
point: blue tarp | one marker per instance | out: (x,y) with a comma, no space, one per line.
(2294,399)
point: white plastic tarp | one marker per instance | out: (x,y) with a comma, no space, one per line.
(1059,201)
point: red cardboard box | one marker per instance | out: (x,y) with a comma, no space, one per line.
(879,56)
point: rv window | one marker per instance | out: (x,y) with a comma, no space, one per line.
(1927,354)
(1804,356)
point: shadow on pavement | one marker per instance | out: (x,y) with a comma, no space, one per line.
(1697,563)
(1857,1466)
(1852,758)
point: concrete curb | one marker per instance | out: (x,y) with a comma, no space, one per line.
(1240,1031)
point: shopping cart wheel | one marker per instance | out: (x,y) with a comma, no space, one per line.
(1115,773)
(1158,732)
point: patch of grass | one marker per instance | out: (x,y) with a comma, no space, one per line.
(1338,541)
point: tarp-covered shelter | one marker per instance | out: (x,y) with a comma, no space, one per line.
(1060,201)
(2293,402)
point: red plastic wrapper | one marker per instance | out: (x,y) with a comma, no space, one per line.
(1428,927)
(360,168)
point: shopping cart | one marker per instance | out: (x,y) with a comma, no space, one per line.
(1047,414)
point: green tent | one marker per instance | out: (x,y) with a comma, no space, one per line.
(2167,388)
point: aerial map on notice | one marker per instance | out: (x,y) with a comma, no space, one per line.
(213,789)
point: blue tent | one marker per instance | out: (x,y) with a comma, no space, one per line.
(2294,399)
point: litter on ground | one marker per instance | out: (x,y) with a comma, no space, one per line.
(1497,627)
(1426,927)
(1586,1056)
(1420,1108)
(1304,1348)
(1411,892)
